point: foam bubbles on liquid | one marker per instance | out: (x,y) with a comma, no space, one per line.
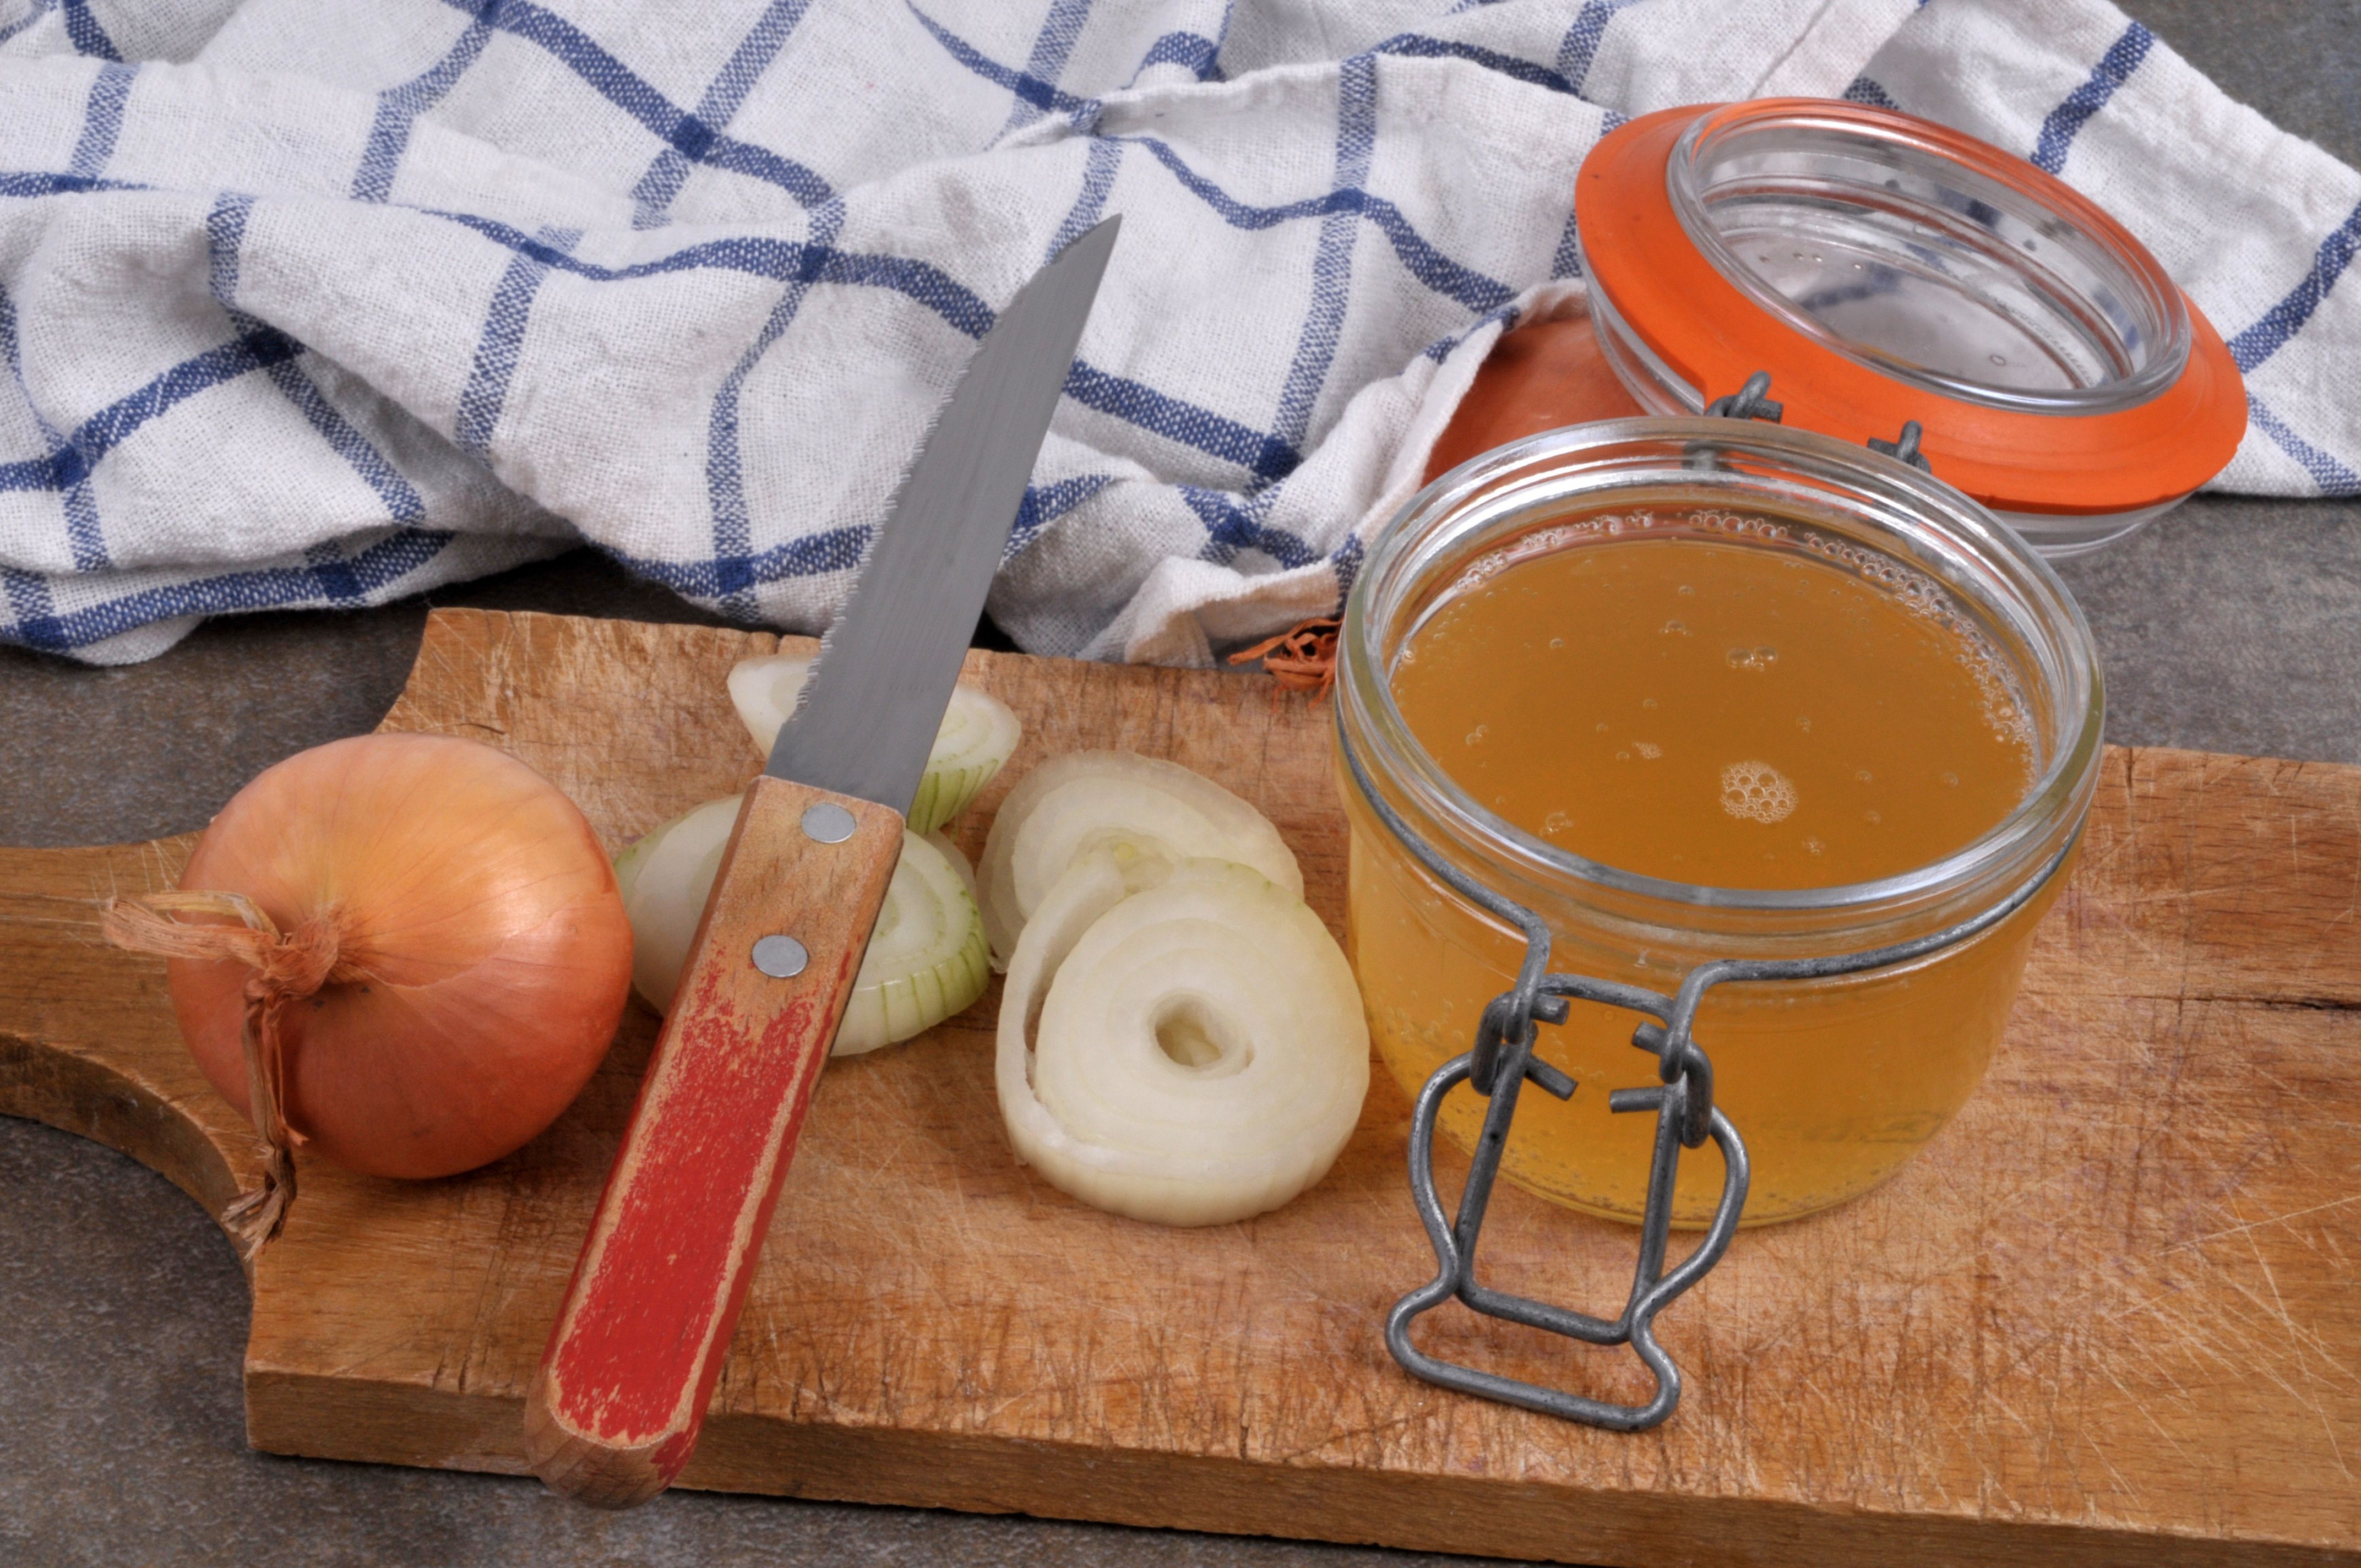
(1757,792)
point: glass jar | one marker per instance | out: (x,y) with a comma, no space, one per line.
(1832,1083)
(1882,268)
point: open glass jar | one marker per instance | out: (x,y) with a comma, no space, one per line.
(1886,268)
(1834,1082)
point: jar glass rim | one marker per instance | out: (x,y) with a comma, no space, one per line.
(1415,546)
(1997,186)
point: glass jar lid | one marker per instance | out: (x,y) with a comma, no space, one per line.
(1884,268)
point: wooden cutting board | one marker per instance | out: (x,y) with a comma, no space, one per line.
(2109,1316)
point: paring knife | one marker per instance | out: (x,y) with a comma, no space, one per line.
(614,1412)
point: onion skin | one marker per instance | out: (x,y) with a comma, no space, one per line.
(1537,377)
(474,893)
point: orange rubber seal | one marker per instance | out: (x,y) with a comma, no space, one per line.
(1707,330)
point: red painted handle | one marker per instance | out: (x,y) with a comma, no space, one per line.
(632,1358)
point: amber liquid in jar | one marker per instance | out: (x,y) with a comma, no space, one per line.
(1710,710)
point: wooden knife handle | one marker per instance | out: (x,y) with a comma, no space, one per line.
(614,1412)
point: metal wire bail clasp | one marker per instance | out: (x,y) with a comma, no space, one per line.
(1686,1118)
(1498,1067)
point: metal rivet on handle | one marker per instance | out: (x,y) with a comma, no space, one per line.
(827,823)
(782,958)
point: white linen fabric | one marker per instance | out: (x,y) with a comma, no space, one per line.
(319,303)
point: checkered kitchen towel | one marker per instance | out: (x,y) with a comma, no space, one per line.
(318,302)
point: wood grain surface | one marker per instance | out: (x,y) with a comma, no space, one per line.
(2108,1317)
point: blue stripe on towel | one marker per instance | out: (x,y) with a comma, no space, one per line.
(109,428)
(2067,120)
(1424,261)
(691,136)
(1231,528)
(1579,48)
(392,557)
(1267,457)
(85,538)
(1201,55)
(1045,504)
(1430,266)
(1047,62)
(1345,562)
(33,13)
(815,554)
(724,473)
(1029,89)
(102,119)
(502,339)
(31,183)
(762,257)
(1418,46)
(2284,320)
(398,109)
(653,196)
(88,36)
(225,240)
(2334,477)
(1099,167)
(402,501)
(1332,260)
(1861,89)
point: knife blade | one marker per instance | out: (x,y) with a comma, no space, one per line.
(875,699)
(615,1409)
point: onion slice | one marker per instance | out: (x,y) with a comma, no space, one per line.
(979,733)
(926,958)
(666,878)
(1178,1042)
(958,858)
(1083,801)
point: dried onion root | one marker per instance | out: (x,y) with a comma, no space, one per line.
(1180,1042)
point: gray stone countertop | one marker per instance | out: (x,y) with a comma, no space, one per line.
(2233,625)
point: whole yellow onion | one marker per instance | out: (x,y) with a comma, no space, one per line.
(430,958)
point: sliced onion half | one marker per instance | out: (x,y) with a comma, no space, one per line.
(926,958)
(1178,1043)
(958,860)
(979,733)
(1083,801)
(666,878)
